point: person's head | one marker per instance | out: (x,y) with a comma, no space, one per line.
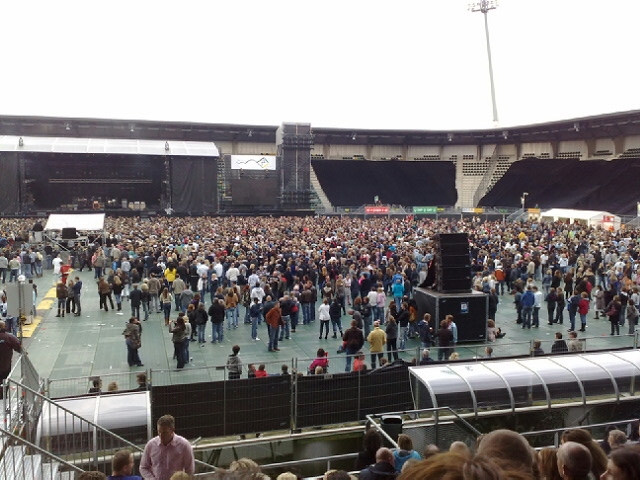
(548,464)
(372,441)
(261,367)
(113,387)
(166,428)
(321,353)
(141,378)
(426,353)
(454,356)
(244,465)
(598,457)
(96,382)
(537,344)
(285,369)
(616,439)
(488,351)
(122,462)
(383,454)
(405,442)
(508,449)
(461,448)
(376,324)
(235,349)
(573,334)
(623,464)
(491,323)
(574,461)
(452,465)
(430,450)
(558,335)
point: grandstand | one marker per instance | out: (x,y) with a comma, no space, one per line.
(477,160)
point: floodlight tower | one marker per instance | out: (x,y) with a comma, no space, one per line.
(484,6)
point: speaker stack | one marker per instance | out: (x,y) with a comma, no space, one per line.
(453,264)
(69,233)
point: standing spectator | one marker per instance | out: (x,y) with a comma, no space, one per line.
(551,305)
(254,314)
(377,339)
(383,469)
(234,363)
(574,461)
(200,323)
(537,303)
(559,345)
(560,305)
(445,340)
(217,314)
(274,321)
(391,331)
(632,316)
(613,312)
(132,334)
(335,312)
(371,442)
(527,301)
(135,297)
(167,453)
(324,317)
(166,300)
(154,292)
(178,330)
(61,295)
(404,452)
(77,290)
(353,340)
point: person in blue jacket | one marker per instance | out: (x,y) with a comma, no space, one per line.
(404,452)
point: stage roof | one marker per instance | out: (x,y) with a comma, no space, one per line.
(12,143)
(83,222)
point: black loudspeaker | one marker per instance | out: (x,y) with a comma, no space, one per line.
(69,233)
(453,264)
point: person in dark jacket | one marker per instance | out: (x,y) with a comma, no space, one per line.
(371,442)
(354,340)
(135,297)
(392,339)
(217,314)
(335,312)
(445,341)
(559,346)
(8,344)
(383,469)
(200,321)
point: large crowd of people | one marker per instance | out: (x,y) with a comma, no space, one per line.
(227,270)
(276,270)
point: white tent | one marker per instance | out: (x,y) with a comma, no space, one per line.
(82,222)
(592,218)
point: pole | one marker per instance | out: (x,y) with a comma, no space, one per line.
(493,88)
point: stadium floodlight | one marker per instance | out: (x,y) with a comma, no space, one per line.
(484,6)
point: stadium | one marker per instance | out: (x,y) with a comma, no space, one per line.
(159,173)
(283,240)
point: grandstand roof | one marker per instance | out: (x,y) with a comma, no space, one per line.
(609,125)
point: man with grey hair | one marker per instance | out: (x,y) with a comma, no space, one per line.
(574,461)
(383,469)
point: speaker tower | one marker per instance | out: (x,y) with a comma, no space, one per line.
(453,264)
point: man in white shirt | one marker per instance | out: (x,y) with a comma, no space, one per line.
(538,297)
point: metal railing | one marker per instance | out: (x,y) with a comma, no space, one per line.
(22,459)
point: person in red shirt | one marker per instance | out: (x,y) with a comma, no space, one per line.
(261,372)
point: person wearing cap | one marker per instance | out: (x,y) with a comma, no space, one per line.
(377,339)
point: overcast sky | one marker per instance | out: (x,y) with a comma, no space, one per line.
(419,64)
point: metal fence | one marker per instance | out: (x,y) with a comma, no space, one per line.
(73,386)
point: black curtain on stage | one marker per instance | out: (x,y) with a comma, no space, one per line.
(193,185)
(9,183)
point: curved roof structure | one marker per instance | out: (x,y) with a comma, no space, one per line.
(523,383)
